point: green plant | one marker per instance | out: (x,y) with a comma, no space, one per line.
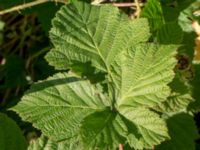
(122,84)
(11,136)
(127,106)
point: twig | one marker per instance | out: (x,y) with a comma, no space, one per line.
(127,4)
(37,2)
(138,10)
(120,147)
(27,5)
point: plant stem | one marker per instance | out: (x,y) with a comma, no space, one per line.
(127,4)
(27,5)
(120,147)
(138,10)
(37,2)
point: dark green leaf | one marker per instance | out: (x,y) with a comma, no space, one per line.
(11,136)
(182,131)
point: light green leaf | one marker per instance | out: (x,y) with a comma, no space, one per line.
(59,104)
(65,106)
(11,136)
(145,128)
(179,98)
(44,143)
(83,33)
(182,131)
(106,130)
(142,74)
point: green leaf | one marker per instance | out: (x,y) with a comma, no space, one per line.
(65,106)
(142,73)
(163,24)
(11,136)
(195,86)
(182,131)
(179,98)
(145,128)
(58,105)
(44,143)
(173,9)
(104,130)
(153,12)
(188,44)
(83,33)
(170,33)
(186,16)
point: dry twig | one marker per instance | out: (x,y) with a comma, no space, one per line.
(138,9)
(37,2)
(120,147)
(28,5)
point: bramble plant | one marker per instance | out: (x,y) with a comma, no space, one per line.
(119,85)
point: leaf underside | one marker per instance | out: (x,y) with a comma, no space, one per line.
(66,106)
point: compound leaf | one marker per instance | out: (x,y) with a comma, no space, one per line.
(65,106)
